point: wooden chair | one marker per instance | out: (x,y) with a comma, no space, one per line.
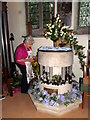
(85,86)
(85,82)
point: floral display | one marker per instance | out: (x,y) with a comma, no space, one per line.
(53,99)
(35,66)
(56,79)
(57,30)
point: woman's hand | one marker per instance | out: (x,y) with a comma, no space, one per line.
(34,57)
(30,60)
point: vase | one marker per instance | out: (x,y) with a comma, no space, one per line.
(59,43)
(54,44)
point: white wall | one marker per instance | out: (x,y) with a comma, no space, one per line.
(41,42)
(16,21)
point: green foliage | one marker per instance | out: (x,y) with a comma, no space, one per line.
(77,49)
(17,81)
(55,77)
(35,67)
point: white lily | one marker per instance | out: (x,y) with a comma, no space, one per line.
(52,26)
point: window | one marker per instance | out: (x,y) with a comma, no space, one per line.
(65,11)
(39,14)
(48,12)
(33,9)
(83,18)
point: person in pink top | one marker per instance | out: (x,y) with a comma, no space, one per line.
(21,56)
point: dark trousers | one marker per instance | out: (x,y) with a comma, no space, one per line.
(24,85)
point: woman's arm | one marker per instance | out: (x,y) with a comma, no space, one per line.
(26,60)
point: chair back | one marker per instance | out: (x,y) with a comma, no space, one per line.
(87,70)
(88,57)
(86,75)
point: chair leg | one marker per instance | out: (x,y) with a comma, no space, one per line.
(83,100)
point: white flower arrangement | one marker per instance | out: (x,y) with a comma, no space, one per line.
(54,99)
(58,30)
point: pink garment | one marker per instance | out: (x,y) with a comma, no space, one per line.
(21,53)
